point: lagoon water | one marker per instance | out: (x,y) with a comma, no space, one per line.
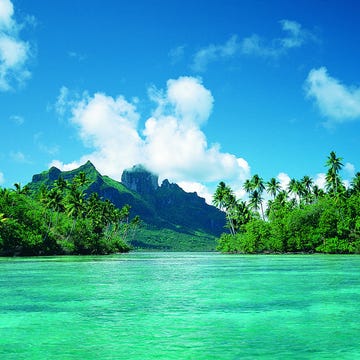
(180,306)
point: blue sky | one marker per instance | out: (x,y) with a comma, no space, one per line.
(198,91)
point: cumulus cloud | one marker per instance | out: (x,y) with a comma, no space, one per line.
(2,178)
(187,99)
(198,188)
(349,169)
(109,127)
(284,180)
(337,102)
(295,36)
(171,143)
(14,52)
(320,180)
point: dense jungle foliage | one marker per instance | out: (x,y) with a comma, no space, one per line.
(301,218)
(62,219)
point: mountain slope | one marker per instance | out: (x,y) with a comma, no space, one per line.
(172,218)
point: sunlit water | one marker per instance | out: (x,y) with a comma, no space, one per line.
(180,306)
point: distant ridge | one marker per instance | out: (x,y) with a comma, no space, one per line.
(173,219)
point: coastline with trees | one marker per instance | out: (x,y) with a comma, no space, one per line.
(62,220)
(301,218)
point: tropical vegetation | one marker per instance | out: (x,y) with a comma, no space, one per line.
(301,218)
(62,219)
(171,219)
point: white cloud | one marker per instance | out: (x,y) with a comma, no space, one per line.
(320,180)
(172,143)
(284,180)
(350,169)
(62,101)
(14,52)
(65,167)
(17,119)
(2,178)
(6,13)
(20,157)
(191,101)
(199,188)
(215,52)
(337,102)
(295,36)
(255,45)
(346,183)
(175,145)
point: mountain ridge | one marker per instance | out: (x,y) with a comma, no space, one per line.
(173,219)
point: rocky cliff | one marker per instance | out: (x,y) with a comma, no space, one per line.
(139,179)
(165,209)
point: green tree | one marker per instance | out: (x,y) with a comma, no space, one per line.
(257,184)
(273,187)
(225,200)
(306,185)
(333,179)
(248,186)
(256,201)
(296,188)
(355,184)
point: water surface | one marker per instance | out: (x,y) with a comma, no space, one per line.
(180,306)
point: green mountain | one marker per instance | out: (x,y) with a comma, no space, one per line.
(172,219)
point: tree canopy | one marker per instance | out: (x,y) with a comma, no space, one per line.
(301,218)
(62,219)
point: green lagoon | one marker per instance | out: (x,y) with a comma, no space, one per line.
(180,306)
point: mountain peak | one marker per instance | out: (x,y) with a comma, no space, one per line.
(139,179)
(87,166)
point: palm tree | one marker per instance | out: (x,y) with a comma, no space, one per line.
(258,183)
(273,187)
(60,183)
(292,186)
(248,186)
(80,179)
(135,224)
(334,165)
(225,200)
(241,215)
(317,192)
(75,206)
(54,200)
(219,196)
(307,182)
(355,184)
(256,202)
(5,195)
(21,190)
(282,198)
(333,181)
(93,204)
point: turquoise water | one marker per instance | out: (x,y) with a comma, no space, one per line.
(180,306)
